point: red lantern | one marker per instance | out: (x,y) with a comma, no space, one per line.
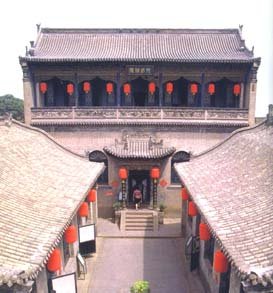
(220,262)
(43,87)
(151,88)
(204,232)
(127,88)
(92,195)
(184,194)
(54,262)
(192,210)
(194,88)
(211,89)
(155,173)
(237,89)
(169,87)
(83,210)
(109,88)
(123,173)
(86,87)
(70,234)
(70,88)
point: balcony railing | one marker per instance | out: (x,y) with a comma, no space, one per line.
(74,114)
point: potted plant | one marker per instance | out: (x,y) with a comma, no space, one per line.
(140,287)
(162,208)
(117,208)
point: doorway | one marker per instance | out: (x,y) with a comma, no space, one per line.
(140,91)
(140,179)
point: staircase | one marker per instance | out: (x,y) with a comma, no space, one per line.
(141,220)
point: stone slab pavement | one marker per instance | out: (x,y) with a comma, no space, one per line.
(125,257)
(120,262)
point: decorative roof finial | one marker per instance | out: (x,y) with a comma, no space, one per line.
(252,50)
(38,26)
(241,27)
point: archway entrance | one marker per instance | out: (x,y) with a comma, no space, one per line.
(140,179)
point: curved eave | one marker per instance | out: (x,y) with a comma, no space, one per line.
(251,277)
(113,153)
(67,59)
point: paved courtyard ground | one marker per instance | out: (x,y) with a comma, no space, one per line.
(122,261)
(123,258)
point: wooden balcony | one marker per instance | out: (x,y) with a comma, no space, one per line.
(138,115)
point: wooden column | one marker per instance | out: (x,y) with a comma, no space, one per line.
(118,88)
(160,90)
(123,192)
(202,96)
(155,194)
(76,89)
(241,101)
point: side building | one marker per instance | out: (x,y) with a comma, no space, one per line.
(139,98)
(43,190)
(228,211)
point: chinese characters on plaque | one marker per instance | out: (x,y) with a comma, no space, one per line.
(139,69)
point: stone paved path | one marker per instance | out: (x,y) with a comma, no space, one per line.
(121,261)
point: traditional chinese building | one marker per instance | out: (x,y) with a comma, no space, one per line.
(228,211)
(43,189)
(139,98)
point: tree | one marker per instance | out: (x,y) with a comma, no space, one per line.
(11,105)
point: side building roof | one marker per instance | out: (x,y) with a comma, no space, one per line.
(137,45)
(41,187)
(231,185)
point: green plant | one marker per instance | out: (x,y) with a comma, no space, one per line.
(162,207)
(117,206)
(140,287)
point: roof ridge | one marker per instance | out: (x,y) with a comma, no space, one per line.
(235,132)
(140,30)
(49,137)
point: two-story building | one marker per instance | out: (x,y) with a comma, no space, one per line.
(139,98)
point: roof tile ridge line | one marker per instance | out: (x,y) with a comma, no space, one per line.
(38,39)
(228,138)
(50,138)
(135,29)
(242,41)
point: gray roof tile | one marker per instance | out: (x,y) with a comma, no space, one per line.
(149,45)
(41,186)
(137,148)
(232,187)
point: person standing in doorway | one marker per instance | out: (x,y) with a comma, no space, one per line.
(137,196)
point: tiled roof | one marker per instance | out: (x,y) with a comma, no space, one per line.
(149,45)
(132,148)
(41,187)
(232,186)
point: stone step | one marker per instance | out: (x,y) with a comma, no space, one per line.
(139,229)
(139,221)
(138,216)
(139,224)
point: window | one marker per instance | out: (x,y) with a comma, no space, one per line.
(100,157)
(178,158)
(209,250)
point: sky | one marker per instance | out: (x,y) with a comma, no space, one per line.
(18,21)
